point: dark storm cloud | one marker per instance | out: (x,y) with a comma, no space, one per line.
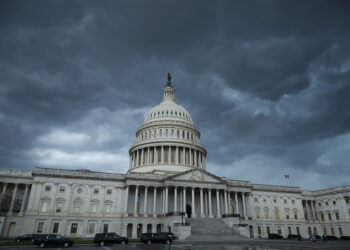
(266,82)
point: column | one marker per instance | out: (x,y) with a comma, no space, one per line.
(177,156)
(175,199)
(154,202)
(210,208)
(244,210)
(184,198)
(201,201)
(191,161)
(136,201)
(13,198)
(53,201)
(3,192)
(130,161)
(313,211)
(204,162)
(251,205)
(193,204)
(200,159)
(126,200)
(148,156)
(24,200)
(236,200)
(155,155)
(308,211)
(169,155)
(137,158)
(166,199)
(142,157)
(218,203)
(225,196)
(162,155)
(195,158)
(145,203)
(183,155)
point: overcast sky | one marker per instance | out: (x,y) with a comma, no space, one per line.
(267,83)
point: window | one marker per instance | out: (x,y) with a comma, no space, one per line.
(324,230)
(96,191)
(55,228)
(289,230)
(172,132)
(298,230)
(105,228)
(178,133)
(277,214)
(44,206)
(109,191)
(47,188)
(188,135)
(293,201)
(266,212)
(59,206)
(337,215)
(155,133)
(183,134)
(326,203)
(256,200)
(340,231)
(40,228)
(274,200)
(334,203)
(74,228)
(166,132)
(108,208)
(319,204)
(94,207)
(322,216)
(332,231)
(91,228)
(329,216)
(149,134)
(62,189)
(259,230)
(77,205)
(160,132)
(295,214)
(285,201)
(264,200)
(79,190)
(257,212)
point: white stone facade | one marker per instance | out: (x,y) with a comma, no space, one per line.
(167,181)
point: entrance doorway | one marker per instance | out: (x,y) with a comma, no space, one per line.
(251,231)
(12,230)
(188,211)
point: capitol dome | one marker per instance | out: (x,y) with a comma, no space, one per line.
(167,141)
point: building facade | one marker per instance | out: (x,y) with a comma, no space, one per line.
(167,182)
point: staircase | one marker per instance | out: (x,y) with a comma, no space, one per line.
(211,229)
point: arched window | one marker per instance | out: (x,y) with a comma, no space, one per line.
(149,228)
(159,228)
(129,230)
(295,211)
(257,212)
(59,205)
(286,211)
(277,213)
(266,212)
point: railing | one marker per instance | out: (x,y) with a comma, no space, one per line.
(175,213)
(182,224)
(229,215)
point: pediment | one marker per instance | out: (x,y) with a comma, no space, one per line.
(196,175)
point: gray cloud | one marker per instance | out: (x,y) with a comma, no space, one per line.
(267,83)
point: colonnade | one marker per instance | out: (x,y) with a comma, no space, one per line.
(203,202)
(177,155)
(311,210)
(14,197)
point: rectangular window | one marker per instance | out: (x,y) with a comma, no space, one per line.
(178,133)
(105,228)
(96,191)
(298,230)
(91,228)
(166,132)
(332,231)
(289,230)
(160,133)
(40,228)
(74,228)
(337,216)
(172,132)
(55,228)
(340,231)
(44,206)
(59,207)
(108,208)
(62,189)
(94,208)
(109,191)
(47,188)
(259,230)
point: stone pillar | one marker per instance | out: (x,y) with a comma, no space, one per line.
(204,161)
(148,156)
(162,155)
(236,200)
(184,199)
(200,159)
(218,203)
(13,198)
(251,205)
(210,208)
(308,211)
(244,209)
(145,214)
(142,157)
(126,200)
(24,200)
(154,202)
(166,199)
(136,201)
(184,156)
(193,204)
(155,155)
(313,211)
(169,155)
(137,158)
(177,156)
(53,202)
(130,161)
(201,202)
(226,205)
(3,192)
(175,199)
(195,158)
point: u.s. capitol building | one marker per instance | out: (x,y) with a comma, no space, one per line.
(166,188)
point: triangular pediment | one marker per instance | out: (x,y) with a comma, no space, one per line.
(196,175)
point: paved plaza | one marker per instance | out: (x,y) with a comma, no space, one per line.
(233,245)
